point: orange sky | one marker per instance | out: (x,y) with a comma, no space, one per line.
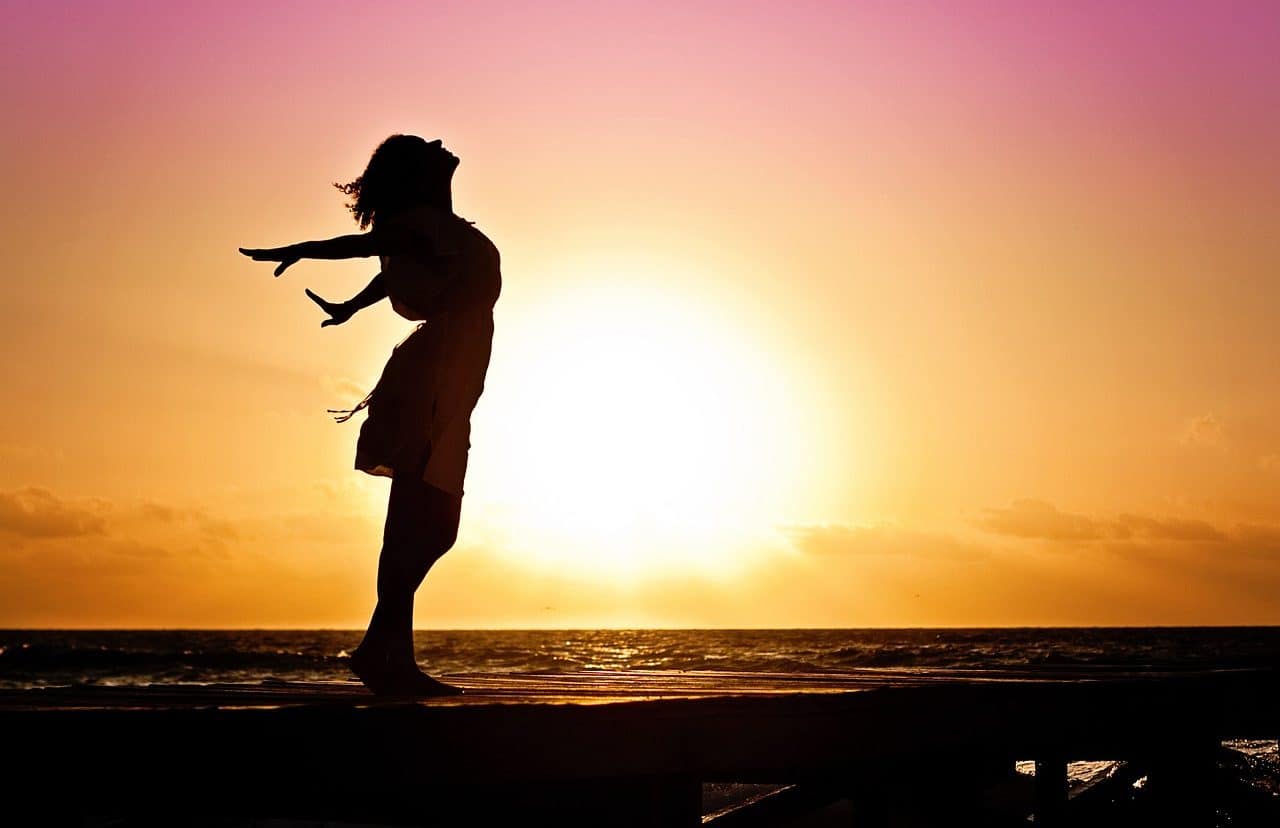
(813,315)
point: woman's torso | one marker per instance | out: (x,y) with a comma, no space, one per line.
(450,267)
(449,281)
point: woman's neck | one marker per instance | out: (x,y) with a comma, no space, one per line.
(441,198)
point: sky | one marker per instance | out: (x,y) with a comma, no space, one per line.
(814,314)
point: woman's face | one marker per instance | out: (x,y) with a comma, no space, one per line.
(447,162)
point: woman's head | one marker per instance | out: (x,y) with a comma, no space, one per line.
(404,171)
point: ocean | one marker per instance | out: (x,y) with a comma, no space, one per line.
(36,658)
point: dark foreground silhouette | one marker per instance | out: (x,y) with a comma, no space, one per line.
(632,749)
(438,270)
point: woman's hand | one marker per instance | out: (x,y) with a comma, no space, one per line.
(339,312)
(286,256)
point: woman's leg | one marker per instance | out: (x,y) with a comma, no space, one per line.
(422,525)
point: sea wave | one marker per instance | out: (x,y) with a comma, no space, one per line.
(53,657)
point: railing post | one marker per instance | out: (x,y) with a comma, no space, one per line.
(1184,781)
(1051,790)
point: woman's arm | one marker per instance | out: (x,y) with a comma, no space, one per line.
(383,242)
(340,312)
(355,246)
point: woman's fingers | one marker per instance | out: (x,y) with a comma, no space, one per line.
(336,316)
(271,254)
(283,255)
(325,304)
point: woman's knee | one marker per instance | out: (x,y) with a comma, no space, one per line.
(409,552)
(422,525)
(422,541)
(432,548)
(445,538)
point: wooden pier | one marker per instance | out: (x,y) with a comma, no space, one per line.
(619,749)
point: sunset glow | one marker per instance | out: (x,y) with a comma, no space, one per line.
(650,433)
(813,314)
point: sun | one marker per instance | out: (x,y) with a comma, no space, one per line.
(633,430)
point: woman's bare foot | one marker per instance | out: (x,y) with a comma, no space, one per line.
(373,670)
(410,681)
(385,678)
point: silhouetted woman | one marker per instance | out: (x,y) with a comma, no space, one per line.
(440,270)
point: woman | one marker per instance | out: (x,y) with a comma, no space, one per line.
(440,270)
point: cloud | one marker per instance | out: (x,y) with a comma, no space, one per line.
(842,540)
(1205,430)
(212,528)
(1037,519)
(1169,529)
(48,530)
(38,513)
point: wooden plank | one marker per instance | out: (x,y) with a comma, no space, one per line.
(585,687)
(274,748)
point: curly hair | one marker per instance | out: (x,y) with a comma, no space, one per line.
(404,171)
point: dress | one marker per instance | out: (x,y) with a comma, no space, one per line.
(419,413)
